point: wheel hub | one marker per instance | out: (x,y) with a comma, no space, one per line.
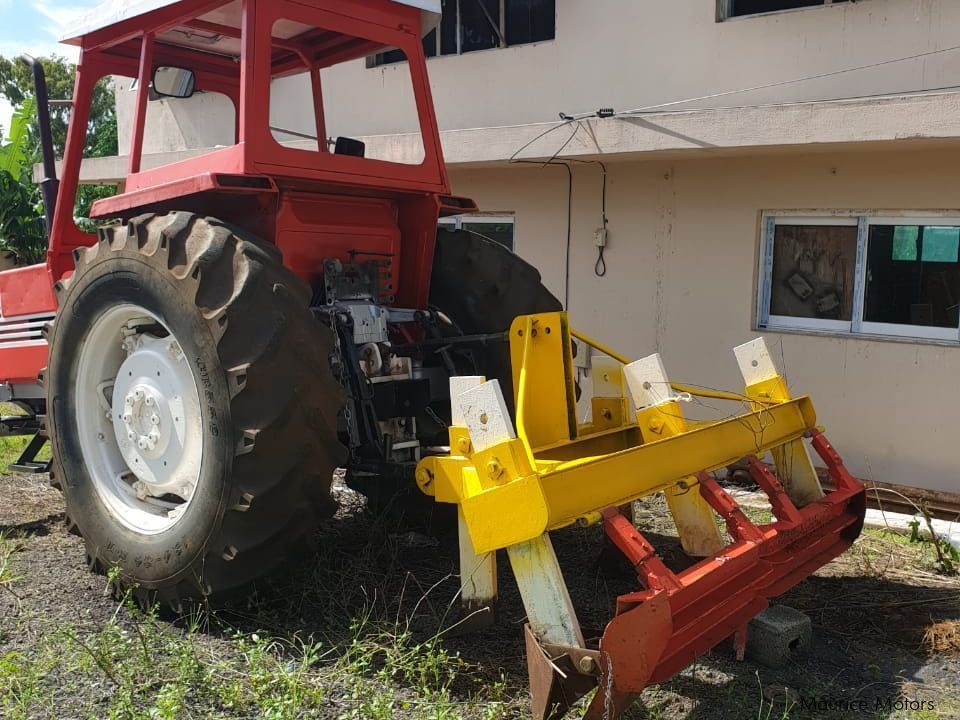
(150,417)
(139,419)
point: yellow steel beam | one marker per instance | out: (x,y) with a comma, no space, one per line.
(679,387)
(517,509)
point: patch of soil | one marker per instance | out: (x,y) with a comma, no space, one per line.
(869,628)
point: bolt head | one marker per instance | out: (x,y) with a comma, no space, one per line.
(128,401)
(494,469)
(586,664)
(463,445)
(138,394)
(154,419)
(131,435)
(423,477)
(142,443)
(149,401)
(128,417)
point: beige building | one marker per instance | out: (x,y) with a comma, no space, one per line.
(809,191)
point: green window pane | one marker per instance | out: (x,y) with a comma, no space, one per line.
(941,244)
(905,242)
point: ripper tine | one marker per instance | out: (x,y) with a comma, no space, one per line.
(515,479)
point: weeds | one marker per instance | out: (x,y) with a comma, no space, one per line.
(947,557)
(9,546)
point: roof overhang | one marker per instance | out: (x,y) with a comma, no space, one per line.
(115,11)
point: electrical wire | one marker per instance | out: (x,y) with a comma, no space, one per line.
(600,268)
(792,81)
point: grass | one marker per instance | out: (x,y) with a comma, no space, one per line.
(12,446)
(9,546)
(147,668)
(358,635)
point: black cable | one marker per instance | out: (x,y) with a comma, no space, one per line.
(600,268)
(560,163)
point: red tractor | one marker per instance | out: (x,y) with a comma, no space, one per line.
(202,378)
(249,319)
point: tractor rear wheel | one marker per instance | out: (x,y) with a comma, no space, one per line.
(481,286)
(192,411)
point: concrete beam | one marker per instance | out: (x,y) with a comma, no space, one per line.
(932,118)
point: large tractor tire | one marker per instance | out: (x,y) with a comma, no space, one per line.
(482,287)
(191,407)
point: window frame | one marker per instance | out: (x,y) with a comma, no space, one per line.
(456,222)
(375,61)
(857,326)
(725,9)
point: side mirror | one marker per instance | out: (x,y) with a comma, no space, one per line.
(174,82)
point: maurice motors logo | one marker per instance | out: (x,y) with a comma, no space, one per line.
(897,702)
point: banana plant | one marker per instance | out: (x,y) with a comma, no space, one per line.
(21,220)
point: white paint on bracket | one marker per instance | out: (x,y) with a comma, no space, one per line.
(648,382)
(485,415)
(458,386)
(755,361)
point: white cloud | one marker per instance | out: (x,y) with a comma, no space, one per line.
(59,16)
(6,113)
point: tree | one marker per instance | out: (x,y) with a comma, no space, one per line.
(21,212)
(16,85)
(21,222)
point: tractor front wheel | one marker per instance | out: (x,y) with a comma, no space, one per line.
(192,411)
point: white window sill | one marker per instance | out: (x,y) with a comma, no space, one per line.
(901,339)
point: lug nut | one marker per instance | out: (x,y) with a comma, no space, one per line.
(131,435)
(128,417)
(154,419)
(138,394)
(149,400)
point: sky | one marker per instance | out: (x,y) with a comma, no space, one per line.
(34,27)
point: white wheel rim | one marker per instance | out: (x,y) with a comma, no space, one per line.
(138,417)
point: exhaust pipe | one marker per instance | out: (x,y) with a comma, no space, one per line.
(50,185)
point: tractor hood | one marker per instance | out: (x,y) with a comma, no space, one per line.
(115,11)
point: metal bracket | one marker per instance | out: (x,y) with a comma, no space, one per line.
(27,462)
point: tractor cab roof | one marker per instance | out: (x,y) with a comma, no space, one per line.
(216,31)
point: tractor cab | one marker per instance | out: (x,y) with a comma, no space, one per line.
(314,190)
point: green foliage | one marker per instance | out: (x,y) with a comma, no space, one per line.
(16,84)
(22,228)
(946,557)
(14,157)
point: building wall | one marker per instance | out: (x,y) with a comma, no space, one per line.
(623,54)
(627,54)
(682,278)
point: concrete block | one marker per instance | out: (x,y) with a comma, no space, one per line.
(778,636)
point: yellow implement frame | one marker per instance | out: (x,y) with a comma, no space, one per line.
(553,472)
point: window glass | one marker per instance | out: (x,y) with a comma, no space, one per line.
(389,108)
(501,232)
(813,271)
(448,28)
(530,21)
(499,228)
(468,25)
(479,25)
(905,242)
(913,286)
(754,7)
